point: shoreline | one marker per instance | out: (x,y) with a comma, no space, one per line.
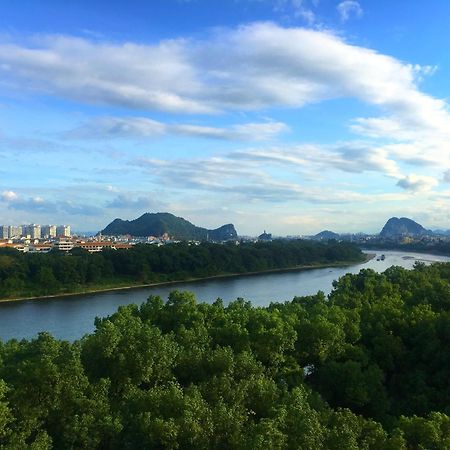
(368,257)
(402,250)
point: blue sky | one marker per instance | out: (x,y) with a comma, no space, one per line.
(290,116)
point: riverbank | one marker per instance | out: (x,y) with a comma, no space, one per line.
(407,249)
(367,258)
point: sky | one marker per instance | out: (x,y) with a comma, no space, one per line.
(290,116)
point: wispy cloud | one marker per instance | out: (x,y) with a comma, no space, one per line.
(252,174)
(133,202)
(351,157)
(37,204)
(200,84)
(348,9)
(140,127)
(299,9)
(252,67)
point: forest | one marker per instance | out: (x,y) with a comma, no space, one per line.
(365,368)
(34,275)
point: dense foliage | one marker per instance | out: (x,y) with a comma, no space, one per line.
(424,246)
(367,368)
(23,275)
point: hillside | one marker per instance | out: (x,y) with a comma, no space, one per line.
(156,224)
(401,227)
(326,235)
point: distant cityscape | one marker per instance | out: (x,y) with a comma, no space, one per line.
(35,238)
(34,231)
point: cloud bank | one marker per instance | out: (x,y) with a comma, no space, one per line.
(251,67)
(252,70)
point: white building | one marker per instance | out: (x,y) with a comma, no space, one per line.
(39,248)
(14,231)
(48,231)
(64,245)
(33,231)
(63,231)
(4,232)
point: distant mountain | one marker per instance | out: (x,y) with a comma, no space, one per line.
(265,236)
(395,227)
(156,224)
(84,233)
(326,235)
(442,232)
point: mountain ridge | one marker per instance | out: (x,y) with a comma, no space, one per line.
(157,224)
(403,226)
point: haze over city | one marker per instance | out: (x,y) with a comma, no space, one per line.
(290,116)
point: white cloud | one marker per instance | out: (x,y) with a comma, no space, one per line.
(349,8)
(122,75)
(299,9)
(351,157)
(139,127)
(251,175)
(243,132)
(112,127)
(252,67)
(9,196)
(38,205)
(417,183)
(446,176)
(256,66)
(133,202)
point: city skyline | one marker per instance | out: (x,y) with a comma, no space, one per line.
(34,231)
(290,116)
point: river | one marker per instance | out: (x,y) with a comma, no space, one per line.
(71,317)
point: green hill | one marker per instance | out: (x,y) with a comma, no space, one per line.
(156,224)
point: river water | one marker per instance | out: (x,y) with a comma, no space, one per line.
(71,317)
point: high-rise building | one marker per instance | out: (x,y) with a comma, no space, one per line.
(15,231)
(33,231)
(63,231)
(26,231)
(4,232)
(48,231)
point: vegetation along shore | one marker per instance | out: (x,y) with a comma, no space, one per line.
(56,274)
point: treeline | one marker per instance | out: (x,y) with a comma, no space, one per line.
(437,248)
(367,368)
(26,275)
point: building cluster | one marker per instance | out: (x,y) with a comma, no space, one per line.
(35,238)
(44,238)
(29,244)
(34,231)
